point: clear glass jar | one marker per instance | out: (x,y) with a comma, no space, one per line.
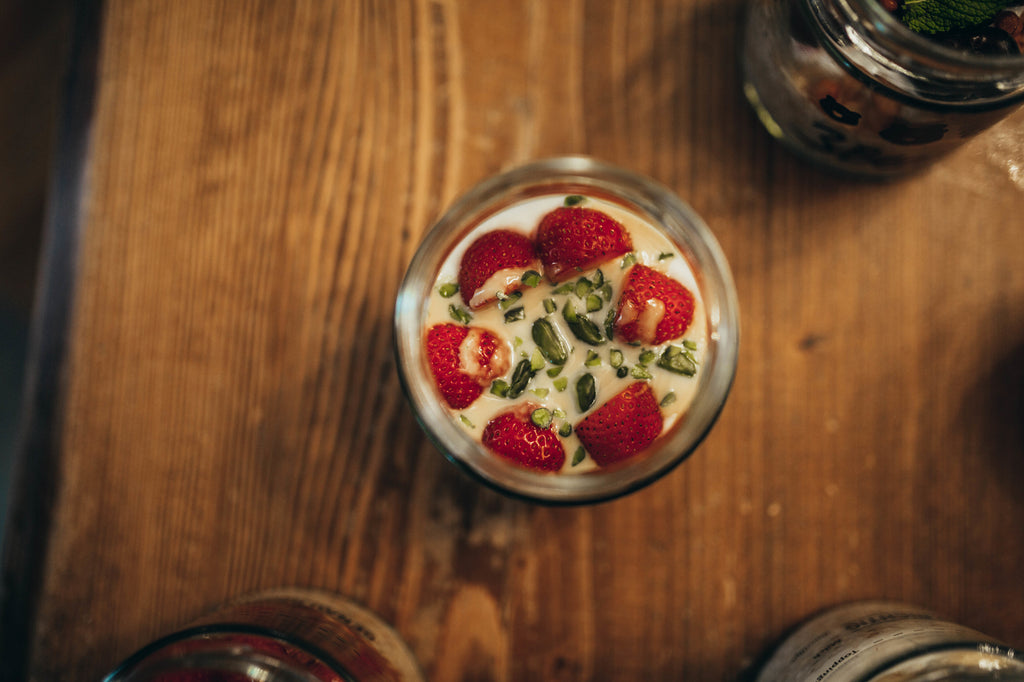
(883,641)
(286,635)
(648,202)
(845,84)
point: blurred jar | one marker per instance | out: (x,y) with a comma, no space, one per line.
(845,84)
(280,636)
(882,641)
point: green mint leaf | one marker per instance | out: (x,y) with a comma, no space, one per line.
(938,16)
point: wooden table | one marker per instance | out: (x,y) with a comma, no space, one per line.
(216,409)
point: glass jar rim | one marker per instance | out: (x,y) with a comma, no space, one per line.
(646,196)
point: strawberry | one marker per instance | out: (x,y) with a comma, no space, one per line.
(572,239)
(514,436)
(653,307)
(625,425)
(464,360)
(494,263)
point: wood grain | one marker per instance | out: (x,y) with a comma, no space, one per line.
(259,175)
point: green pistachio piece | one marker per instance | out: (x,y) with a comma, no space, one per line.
(593,359)
(554,371)
(574,199)
(615,357)
(598,278)
(582,327)
(664,256)
(621,372)
(640,372)
(669,398)
(448,289)
(583,287)
(578,456)
(594,303)
(530,278)
(540,392)
(606,291)
(690,345)
(647,357)
(536,360)
(521,376)
(628,260)
(674,359)
(459,314)
(609,323)
(506,301)
(515,315)
(565,430)
(499,387)
(550,342)
(550,306)
(559,413)
(586,392)
(566,288)
(465,420)
(561,383)
(541,417)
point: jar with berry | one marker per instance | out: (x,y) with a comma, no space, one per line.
(881,88)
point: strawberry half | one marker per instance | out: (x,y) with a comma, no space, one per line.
(494,263)
(572,239)
(515,437)
(653,307)
(625,425)
(463,361)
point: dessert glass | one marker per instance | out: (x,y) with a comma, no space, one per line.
(649,201)
(286,635)
(845,84)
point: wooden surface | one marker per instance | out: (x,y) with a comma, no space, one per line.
(217,408)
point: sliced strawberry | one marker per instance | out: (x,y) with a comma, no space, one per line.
(464,360)
(574,239)
(494,263)
(653,307)
(625,425)
(514,436)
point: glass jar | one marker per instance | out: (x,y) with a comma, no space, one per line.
(845,84)
(883,641)
(286,635)
(516,200)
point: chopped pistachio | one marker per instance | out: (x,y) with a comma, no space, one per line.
(690,345)
(559,413)
(549,305)
(465,420)
(536,360)
(459,314)
(561,383)
(448,289)
(647,357)
(554,371)
(506,301)
(583,287)
(628,260)
(515,314)
(615,357)
(540,392)
(593,359)
(516,342)
(582,327)
(640,372)
(550,342)
(574,199)
(666,255)
(530,278)
(586,392)
(541,417)
(565,430)
(521,376)
(621,372)
(609,323)
(675,359)
(669,398)
(566,288)
(594,303)
(499,387)
(606,291)
(578,456)
(598,278)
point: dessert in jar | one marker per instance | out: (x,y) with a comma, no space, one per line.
(880,87)
(568,331)
(284,635)
(885,641)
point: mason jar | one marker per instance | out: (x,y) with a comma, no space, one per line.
(844,83)
(284,635)
(885,641)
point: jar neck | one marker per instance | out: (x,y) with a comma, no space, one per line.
(874,46)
